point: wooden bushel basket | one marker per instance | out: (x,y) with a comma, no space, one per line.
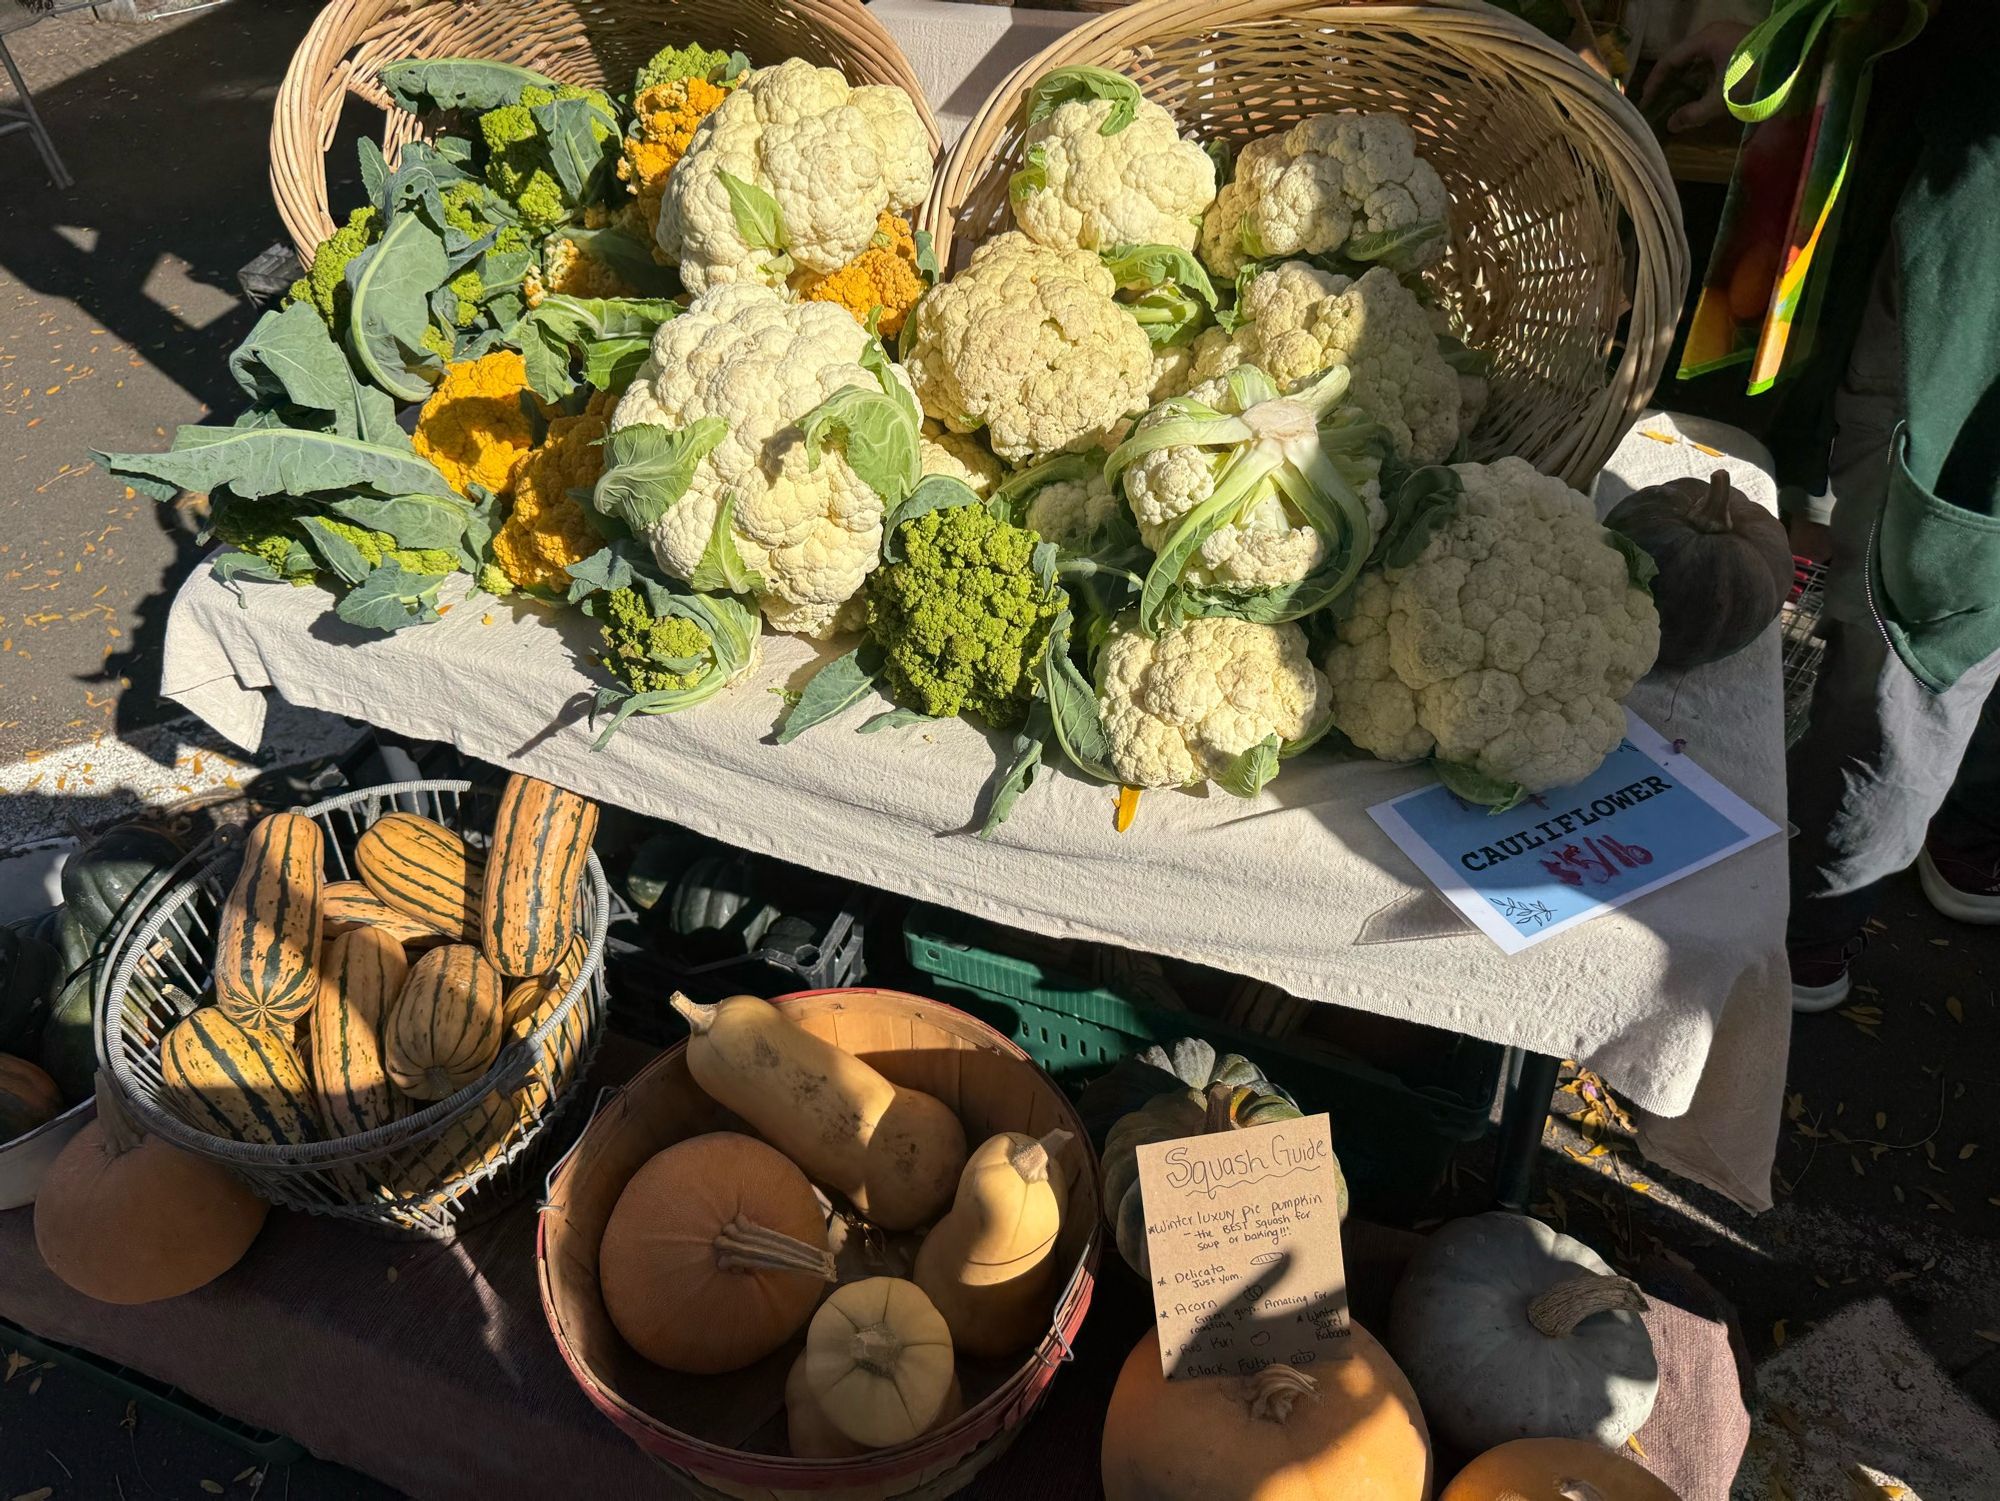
(722,1434)
(1568,262)
(595,43)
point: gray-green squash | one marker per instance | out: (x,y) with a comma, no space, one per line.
(1508,1329)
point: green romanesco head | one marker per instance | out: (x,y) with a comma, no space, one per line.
(671,64)
(962,618)
(439,342)
(467,288)
(649,653)
(380,547)
(325,283)
(517,166)
(265,528)
(493,579)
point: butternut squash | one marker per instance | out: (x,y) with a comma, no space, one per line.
(541,843)
(447,1024)
(894,1152)
(714,1254)
(989,1265)
(267,939)
(423,870)
(810,1434)
(879,1362)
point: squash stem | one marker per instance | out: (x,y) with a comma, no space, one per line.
(698,1017)
(114,1126)
(1032,1161)
(1711,513)
(741,1246)
(1558,1311)
(1275,1389)
(876,1349)
(1221,1114)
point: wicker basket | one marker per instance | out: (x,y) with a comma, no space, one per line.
(717,1433)
(588,42)
(1564,218)
(160,958)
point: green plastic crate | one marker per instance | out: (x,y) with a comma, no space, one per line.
(1395,1135)
(261,1445)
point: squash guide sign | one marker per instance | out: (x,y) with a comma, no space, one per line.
(1243,1234)
(1646,817)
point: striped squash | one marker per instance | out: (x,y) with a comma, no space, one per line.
(348,905)
(360,975)
(530,994)
(267,941)
(556,1061)
(230,1080)
(424,871)
(447,1024)
(467,1144)
(541,842)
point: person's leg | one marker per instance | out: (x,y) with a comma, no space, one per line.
(1880,751)
(1960,865)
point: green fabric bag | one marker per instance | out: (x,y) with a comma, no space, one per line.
(1935,570)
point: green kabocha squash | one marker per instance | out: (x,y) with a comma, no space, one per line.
(68,1047)
(118,868)
(1510,1330)
(1173,1116)
(715,909)
(1725,565)
(31,976)
(1164,1068)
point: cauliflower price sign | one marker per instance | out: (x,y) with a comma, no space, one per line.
(1647,817)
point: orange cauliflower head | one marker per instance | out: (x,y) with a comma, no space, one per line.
(472,427)
(548,530)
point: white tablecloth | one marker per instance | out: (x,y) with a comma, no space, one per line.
(1678,1000)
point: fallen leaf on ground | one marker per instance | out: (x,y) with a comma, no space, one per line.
(1778,1334)
(1955,1008)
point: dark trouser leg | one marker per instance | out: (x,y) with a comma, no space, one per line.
(1970,819)
(1881,754)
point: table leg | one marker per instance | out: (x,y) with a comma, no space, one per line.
(37,132)
(1521,1122)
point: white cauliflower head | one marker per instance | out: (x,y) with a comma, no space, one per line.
(826,158)
(1106,167)
(1065,500)
(1343,184)
(959,456)
(1181,708)
(1030,344)
(1507,646)
(1269,543)
(1295,320)
(745,354)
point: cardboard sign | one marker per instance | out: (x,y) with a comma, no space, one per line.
(1243,1232)
(1647,817)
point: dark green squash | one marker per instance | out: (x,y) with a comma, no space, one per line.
(69,1049)
(715,911)
(31,976)
(1188,1063)
(105,877)
(1725,565)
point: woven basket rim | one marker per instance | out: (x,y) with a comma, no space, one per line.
(996,1411)
(304,120)
(510,1067)
(1601,127)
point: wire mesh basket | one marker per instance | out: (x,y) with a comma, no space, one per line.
(1803,646)
(457,1160)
